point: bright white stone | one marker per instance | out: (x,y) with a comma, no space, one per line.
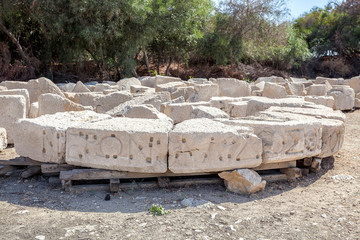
(207,112)
(180,112)
(22,92)
(243,181)
(231,87)
(80,88)
(273,90)
(51,103)
(327,101)
(125,84)
(344,97)
(3,139)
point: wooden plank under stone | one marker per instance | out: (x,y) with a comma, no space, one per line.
(53,168)
(30,171)
(269,166)
(5,169)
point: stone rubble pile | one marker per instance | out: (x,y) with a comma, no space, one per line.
(159,124)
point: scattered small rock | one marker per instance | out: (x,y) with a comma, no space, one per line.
(40,237)
(231,228)
(191,202)
(342,177)
(22,212)
(107,197)
(221,208)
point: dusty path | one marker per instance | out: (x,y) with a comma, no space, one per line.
(317,207)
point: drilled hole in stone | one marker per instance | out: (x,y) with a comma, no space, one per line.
(81,134)
(112,135)
(59,154)
(148,159)
(158,142)
(150,144)
(238,159)
(57,136)
(107,156)
(87,150)
(140,147)
(184,140)
(44,132)
(86,137)
(247,136)
(51,144)
(44,150)
(283,142)
(177,155)
(190,154)
(80,155)
(233,142)
(151,139)
(206,156)
(115,156)
(229,155)
(220,158)
(131,157)
(95,137)
(257,156)
(212,138)
(225,142)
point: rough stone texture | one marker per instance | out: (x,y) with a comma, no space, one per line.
(125,144)
(3,139)
(327,101)
(243,181)
(231,87)
(35,87)
(124,84)
(317,90)
(51,103)
(199,81)
(101,87)
(12,108)
(355,84)
(294,88)
(180,112)
(187,92)
(273,90)
(148,82)
(223,102)
(203,145)
(104,103)
(44,138)
(204,92)
(170,86)
(331,81)
(85,99)
(208,112)
(22,92)
(357,103)
(141,89)
(80,88)
(165,79)
(145,111)
(333,131)
(154,99)
(238,109)
(344,97)
(34,110)
(3,88)
(272,79)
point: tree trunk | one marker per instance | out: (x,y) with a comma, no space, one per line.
(24,57)
(146,59)
(168,67)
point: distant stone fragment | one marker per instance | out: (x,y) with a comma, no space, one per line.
(243,181)
(273,90)
(80,87)
(126,83)
(51,103)
(231,87)
(3,139)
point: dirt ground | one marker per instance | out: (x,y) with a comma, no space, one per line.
(325,205)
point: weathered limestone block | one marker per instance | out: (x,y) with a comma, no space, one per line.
(199,81)
(145,111)
(3,87)
(142,89)
(283,140)
(80,88)
(331,81)
(84,98)
(357,103)
(208,112)
(317,90)
(51,103)
(203,145)
(34,110)
(35,87)
(12,108)
(355,84)
(344,97)
(170,86)
(148,82)
(124,84)
(3,139)
(273,90)
(165,79)
(153,99)
(104,103)
(66,87)
(327,101)
(223,102)
(272,79)
(43,139)
(243,181)
(333,131)
(297,89)
(125,144)
(180,112)
(238,109)
(187,92)
(101,87)
(204,92)
(22,92)
(231,87)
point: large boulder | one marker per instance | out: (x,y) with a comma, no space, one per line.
(22,92)
(126,83)
(355,84)
(317,90)
(273,90)
(145,111)
(231,87)
(344,97)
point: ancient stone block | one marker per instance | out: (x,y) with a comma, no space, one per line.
(145,111)
(180,112)
(34,110)
(80,88)
(3,139)
(327,101)
(203,145)
(317,90)
(165,79)
(125,144)
(148,82)
(124,84)
(344,97)
(273,90)
(272,79)
(187,92)
(231,87)
(284,141)
(170,86)
(238,109)
(294,88)
(243,181)
(43,139)
(12,108)
(355,84)
(207,112)
(141,89)
(104,103)
(22,92)
(51,103)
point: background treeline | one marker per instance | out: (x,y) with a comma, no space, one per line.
(69,40)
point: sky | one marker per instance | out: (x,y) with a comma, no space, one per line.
(298,7)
